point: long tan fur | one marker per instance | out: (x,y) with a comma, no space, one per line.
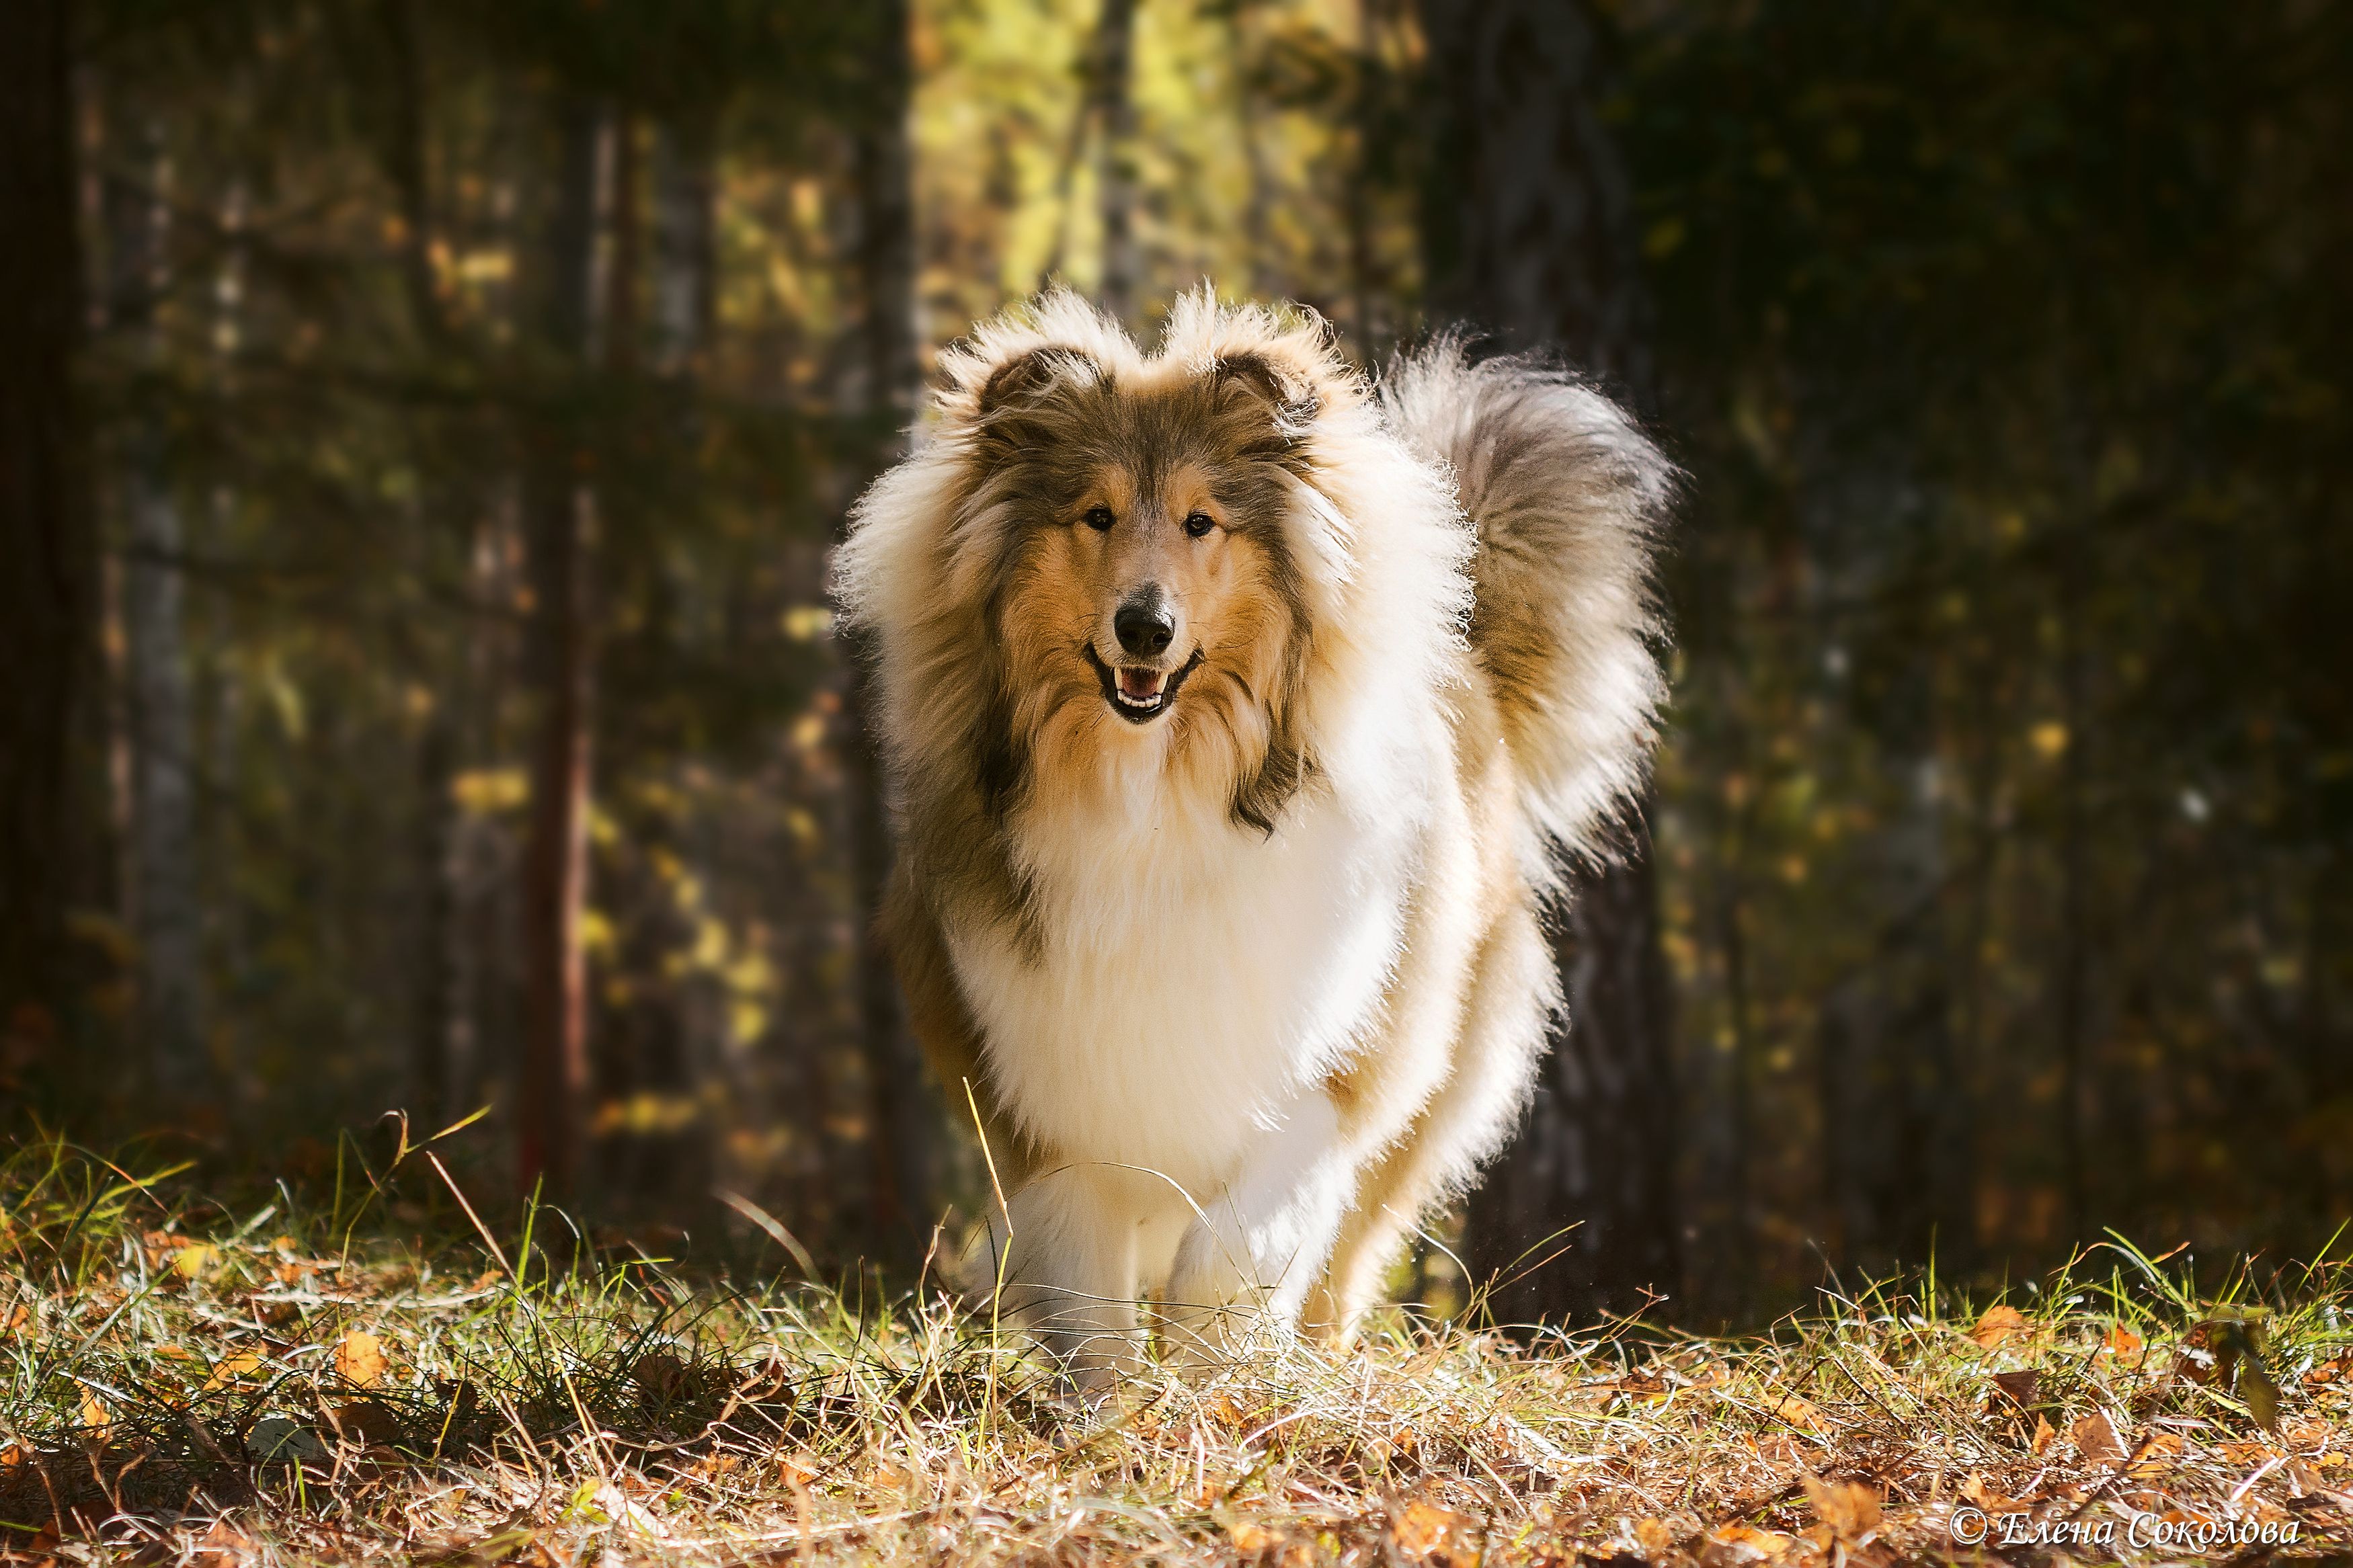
(1233,928)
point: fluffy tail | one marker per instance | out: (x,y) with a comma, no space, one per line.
(1568,496)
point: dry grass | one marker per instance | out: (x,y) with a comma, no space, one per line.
(275,1387)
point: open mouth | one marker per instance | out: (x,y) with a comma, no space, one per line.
(1136,694)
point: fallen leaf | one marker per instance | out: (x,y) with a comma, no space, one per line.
(1733,1545)
(661,1376)
(2158,1455)
(1654,1537)
(2018,1387)
(2261,1395)
(2097,1439)
(533,1553)
(1226,1413)
(1249,1538)
(230,1368)
(1424,1531)
(196,1260)
(222,1545)
(1798,1413)
(2309,1432)
(2043,1436)
(360,1359)
(95,1416)
(366,1423)
(1998,1326)
(2124,1349)
(275,1440)
(1848,1508)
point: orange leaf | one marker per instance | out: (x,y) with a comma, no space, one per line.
(2043,1435)
(229,1369)
(359,1359)
(1731,1545)
(1227,1412)
(1998,1326)
(1249,1538)
(1848,1508)
(2163,1450)
(223,1545)
(1424,1529)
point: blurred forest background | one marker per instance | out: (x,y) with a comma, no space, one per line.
(424,425)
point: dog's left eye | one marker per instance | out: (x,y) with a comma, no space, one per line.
(1100,518)
(1199,523)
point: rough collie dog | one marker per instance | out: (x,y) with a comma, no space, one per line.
(1239,714)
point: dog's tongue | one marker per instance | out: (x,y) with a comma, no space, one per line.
(1139,684)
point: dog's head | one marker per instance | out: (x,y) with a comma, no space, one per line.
(1128,539)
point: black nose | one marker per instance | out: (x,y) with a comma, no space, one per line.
(1147,624)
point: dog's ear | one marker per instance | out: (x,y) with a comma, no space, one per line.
(1029,382)
(1284,392)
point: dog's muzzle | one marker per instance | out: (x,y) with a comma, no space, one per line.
(1136,694)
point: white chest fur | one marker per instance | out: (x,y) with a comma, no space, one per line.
(1194,978)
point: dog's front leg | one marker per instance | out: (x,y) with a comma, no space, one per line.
(1250,1258)
(1067,1273)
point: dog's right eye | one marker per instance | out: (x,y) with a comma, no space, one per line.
(1100,519)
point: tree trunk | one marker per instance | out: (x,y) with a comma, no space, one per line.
(1596,1150)
(1529,231)
(165,899)
(46,543)
(1115,173)
(685,244)
(906,1123)
(404,160)
(559,518)
(2073,956)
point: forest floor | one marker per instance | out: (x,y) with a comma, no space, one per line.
(190,1385)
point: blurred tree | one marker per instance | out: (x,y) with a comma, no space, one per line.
(1112,86)
(560,519)
(46,556)
(905,1131)
(163,893)
(1530,232)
